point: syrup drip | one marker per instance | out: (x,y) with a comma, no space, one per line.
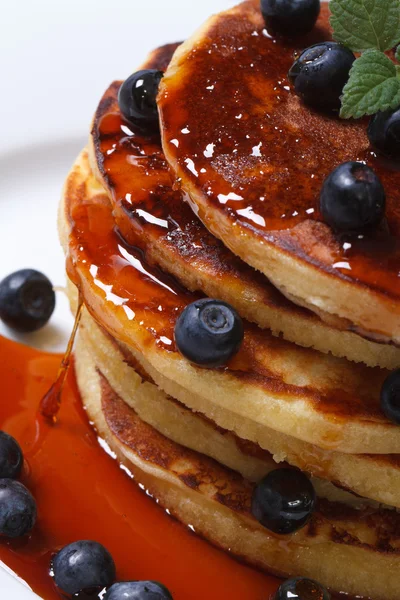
(51,401)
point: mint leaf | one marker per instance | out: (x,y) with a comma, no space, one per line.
(398,53)
(365,24)
(374,85)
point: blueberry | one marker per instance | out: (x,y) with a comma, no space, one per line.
(352,198)
(17,509)
(83,565)
(384,133)
(283,501)
(137,98)
(290,17)
(320,74)
(27,300)
(138,590)
(301,589)
(390,397)
(11,458)
(209,333)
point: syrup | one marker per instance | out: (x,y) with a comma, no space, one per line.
(82,494)
(139,304)
(51,401)
(150,214)
(149,208)
(240,135)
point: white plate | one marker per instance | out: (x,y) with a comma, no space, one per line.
(56,59)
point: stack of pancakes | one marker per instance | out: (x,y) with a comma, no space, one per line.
(225,205)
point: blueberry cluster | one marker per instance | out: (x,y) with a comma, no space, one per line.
(17,505)
(80,567)
(88,567)
(352,198)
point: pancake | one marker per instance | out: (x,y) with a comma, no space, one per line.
(367,476)
(192,430)
(334,547)
(252,159)
(150,213)
(317,398)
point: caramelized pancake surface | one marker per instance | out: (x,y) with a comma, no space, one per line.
(333,548)
(150,213)
(320,399)
(253,160)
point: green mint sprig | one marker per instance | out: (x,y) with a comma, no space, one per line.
(374,85)
(365,24)
(371,27)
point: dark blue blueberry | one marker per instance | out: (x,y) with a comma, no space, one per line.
(290,17)
(384,133)
(138,590)
(283,501)
(390,397)
(320,74)
(82,566)
(209,333)
(17,509)
(137,98)
(27,300)
(301,589)
(11,457)
(352,198)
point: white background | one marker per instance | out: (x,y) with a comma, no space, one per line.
(56,59)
